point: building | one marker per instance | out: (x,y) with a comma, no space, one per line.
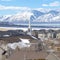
(35,33)
(30,53)
(51,34)
(42,34)
(58,34)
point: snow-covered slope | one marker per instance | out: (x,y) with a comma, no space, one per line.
(48,17)
(34,15)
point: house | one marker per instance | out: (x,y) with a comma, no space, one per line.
(42,34)
(35,33)
(57,47)
(32,54)
(28,54)
(51,34)
(58,34)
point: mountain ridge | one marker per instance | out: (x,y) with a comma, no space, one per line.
(35,16)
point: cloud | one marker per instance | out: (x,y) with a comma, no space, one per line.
(44,4)
(2,7)
(6,0)
(55,3)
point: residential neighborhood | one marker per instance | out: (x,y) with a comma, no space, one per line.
(40,45)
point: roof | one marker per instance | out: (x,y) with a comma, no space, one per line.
(20,44)
(25,40)
(12,39)
(28,55)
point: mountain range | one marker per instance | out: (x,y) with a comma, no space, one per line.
(35,17)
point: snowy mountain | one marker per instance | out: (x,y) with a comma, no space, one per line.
(48,17)
(35,16)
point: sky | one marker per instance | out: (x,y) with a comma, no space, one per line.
(15,6)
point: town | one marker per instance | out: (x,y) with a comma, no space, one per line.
(37,45)
(29,29)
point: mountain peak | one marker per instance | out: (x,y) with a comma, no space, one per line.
(35,16)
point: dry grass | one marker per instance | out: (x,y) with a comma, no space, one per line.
(6,29)
(3,29)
